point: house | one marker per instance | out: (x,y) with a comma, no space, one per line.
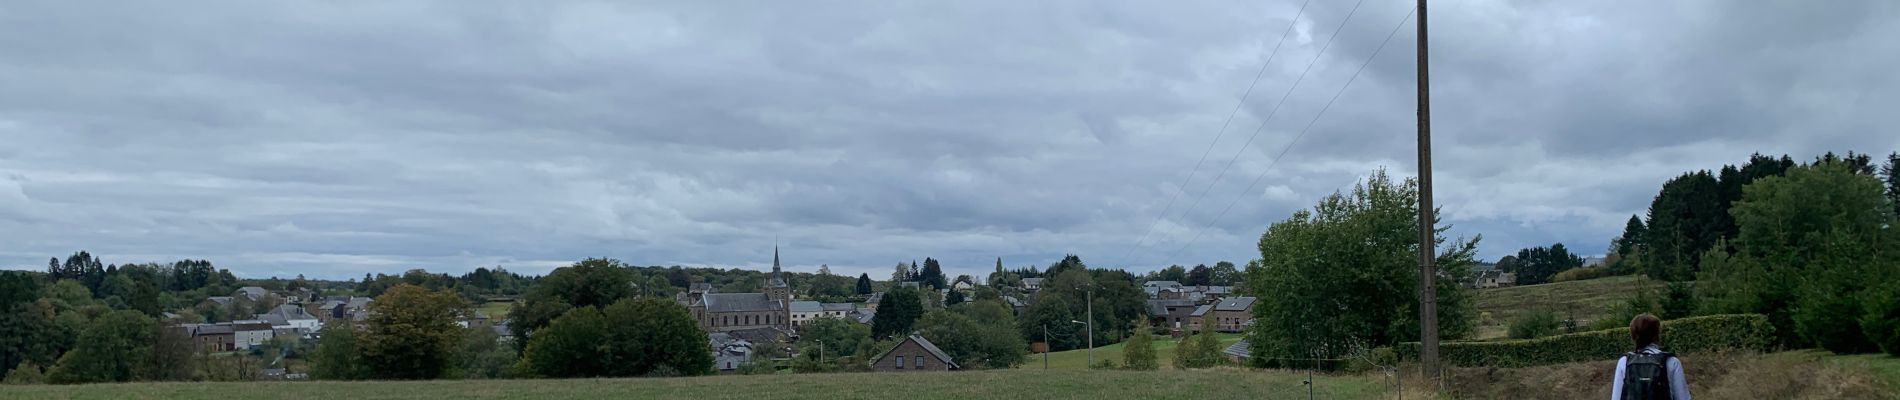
(864,315)
(724,312)
(1199,314)
(963,286)
(219,301)
(1233,314)
(474,319)
(803,311)
(1016,305)
(729,352)
(291,317)
(1493,279)
(1032,284)
(502,332)
(212,337)
(1170,313)
(250,333)
(870,301)
(837,310)
(340,307)
(913,354)
(1593,262)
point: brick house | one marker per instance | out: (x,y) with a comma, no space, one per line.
(913,354)
(1232,314)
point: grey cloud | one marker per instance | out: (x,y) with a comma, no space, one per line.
(333,140)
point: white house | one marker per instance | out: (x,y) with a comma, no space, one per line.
(803,311)
(290,316)
(249,333)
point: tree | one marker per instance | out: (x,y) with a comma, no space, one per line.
(482,356)
(1810,245)
(1537,264)
(1891,172)
(864,284)
(975,334)
(1172,273)
(28,333)
(1684,220)
(954,298)
(338,355)
(654,337)
(1343,275)
(1200,276)
(595,282)
(902,274)
(997,278)
(838,337)
(568,347)
(1224,274)
(411,333)
(111,349)
(933,274)
(897,313)
(1139,352)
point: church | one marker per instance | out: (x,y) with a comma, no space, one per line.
(727,312)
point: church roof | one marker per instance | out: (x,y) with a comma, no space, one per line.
(736,302)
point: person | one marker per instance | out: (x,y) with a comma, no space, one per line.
(1649,372)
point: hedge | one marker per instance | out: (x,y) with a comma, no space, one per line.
(1686,335)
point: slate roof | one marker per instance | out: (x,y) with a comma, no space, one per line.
(807,307)
(1234,304)
(283,314)
(700,287)
(330,305)
(760,335)
(251,291)
(211,329)
(1157,308)
(1238,349)
(251,325)
(924,343)
(737,302)
(224,300)
(1161,284)
(357,303)
(1200,311)
(1032,281)
(1014,302)
(864,316)
(845,307)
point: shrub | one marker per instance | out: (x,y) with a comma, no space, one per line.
(1579,274)
(1696,334)
(1535,324)
(1881,322)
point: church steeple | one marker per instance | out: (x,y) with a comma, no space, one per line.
(775,268)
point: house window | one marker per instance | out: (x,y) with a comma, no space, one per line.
(920,362)
(900,362)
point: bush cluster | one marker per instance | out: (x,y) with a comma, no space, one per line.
(1696,334)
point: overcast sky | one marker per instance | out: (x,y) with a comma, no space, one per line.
(332,139)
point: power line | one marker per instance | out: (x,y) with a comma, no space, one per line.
(1296,138)
(1276,108)
(1220,133)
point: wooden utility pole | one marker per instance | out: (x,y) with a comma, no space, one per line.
(1427,243)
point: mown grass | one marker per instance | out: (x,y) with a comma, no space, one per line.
(1079,358)
(1226,383)
(1807,374)
(1585,300)
(496,310)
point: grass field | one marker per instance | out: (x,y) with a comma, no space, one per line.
(496,310)
(1079,359)
(993,384)
(1586,300)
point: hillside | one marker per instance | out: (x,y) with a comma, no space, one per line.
(1079,359)
(1585,299)
(1024,384)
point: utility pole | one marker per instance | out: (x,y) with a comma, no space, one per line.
(1427,243)
(1090,297)
(1045,346)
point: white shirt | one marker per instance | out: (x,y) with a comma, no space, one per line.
(1678,387)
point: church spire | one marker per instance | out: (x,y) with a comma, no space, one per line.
(775,269)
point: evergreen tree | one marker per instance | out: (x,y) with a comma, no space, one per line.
(864,284)
(1684,220)
(897,313)
(933,274)
(1892,175)
(1139,352)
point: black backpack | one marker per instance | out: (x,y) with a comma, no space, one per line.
(1646,376)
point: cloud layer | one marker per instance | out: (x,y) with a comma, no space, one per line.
(332,140)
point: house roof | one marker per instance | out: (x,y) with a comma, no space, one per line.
(330,305)
(701,287)
(865,315)
(735,302)
(807,306)
(359,302)
(1159,284)
(290,312)
(1014,302)
(224,300)
(838,306)
(760,335)
(252,291)
(928,347)
(1238,349)
(211,329)
(1234,304)
(251,325)
(1160,307)
(1200,311)
(1032,281)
